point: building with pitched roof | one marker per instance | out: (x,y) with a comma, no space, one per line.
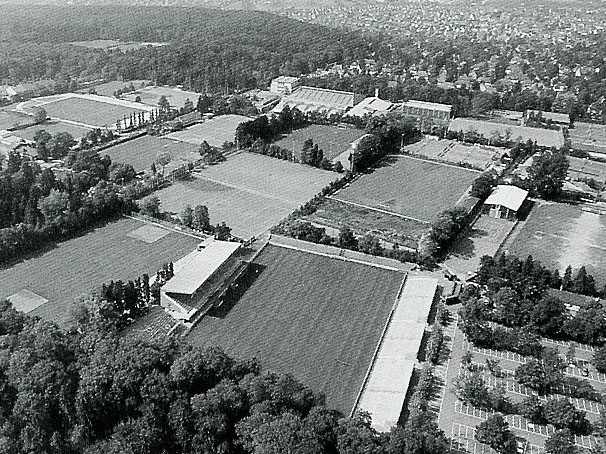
(321,100)
(427,113)
(369,106)
(505,202)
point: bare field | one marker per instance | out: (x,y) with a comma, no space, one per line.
(75,267)
(324,334)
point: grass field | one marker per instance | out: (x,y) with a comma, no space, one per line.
(586,168)
(332,139)
(588,137)
(560,235)
(175,96)
(543,137)
(249,192)
(108,88)
(315,317)
(477,156)
(410,187)
(52,127)
(87,111)
(10,119)
(215,131)
(143,151)
(74,267)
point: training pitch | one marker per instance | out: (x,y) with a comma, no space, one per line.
(410,187)
(215,131)
(74,267)
(560,235)
(249,192)
(332,139)
(318,318)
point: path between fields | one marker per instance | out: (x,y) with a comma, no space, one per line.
(581,239)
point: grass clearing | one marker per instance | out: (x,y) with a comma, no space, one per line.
(315,317)
(410,187)
(333,140)
(74,267)
(249,192)
(560,235)
(143,151)
(215,131)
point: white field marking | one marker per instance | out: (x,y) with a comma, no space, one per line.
(200,237)
(410,218)
(443,164)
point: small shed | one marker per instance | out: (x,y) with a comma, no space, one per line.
(505,202)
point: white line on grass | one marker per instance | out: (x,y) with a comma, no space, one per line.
(378,209)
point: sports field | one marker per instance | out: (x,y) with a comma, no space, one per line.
(560,235)
(332,139)
(580,169)
(143,151)
(410,187)
(175,96)
(588,136)
(10,119)
(249,192)
(543,137)
(318,318)
(215,131)
(478,156)
(119,250)
(52,127)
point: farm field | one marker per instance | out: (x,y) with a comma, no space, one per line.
(560,235)
(215,131)
(143,151)
(324,334)
(151,95)
(74,267)
(87,110)
(410,187)
(477,156)
(337,215)
(543,137)
(249,192)
(108,88)
(586,168)
(588,136)
(52,127)
(332,139)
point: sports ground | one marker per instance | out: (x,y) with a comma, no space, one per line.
(580,169)
(52,127)
(332,139)
(316,317)
(588,136)
(560,235)
(249,192)
(410,187)
(124,249)
(143,151)
(215,131)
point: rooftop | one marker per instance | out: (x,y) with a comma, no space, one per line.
(369,106)
(200,267)
(428,105)
(510,197)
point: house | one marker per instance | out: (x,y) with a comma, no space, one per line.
(284,85)
(187,293)
(505,202)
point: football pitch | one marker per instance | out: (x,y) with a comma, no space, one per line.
(332,139)
(215,131)
(315,317)
(249,192)
(124,249)
(413,188)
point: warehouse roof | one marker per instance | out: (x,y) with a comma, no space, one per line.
(510,197)
(201,266)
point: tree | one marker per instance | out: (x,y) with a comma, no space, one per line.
(187,216)
(222,232)
(482,103)
(495,433)
(561,442)
(370,244)
(563,415)
(54,206)
(532,409)
(472,390)
(567,279)
(60,144)
(42,138)
(121,173)
(201,218)
(210,155)
(163,161)
(163,104)
(583,283)
(599,359)
(482,186)
(150,206)
(547,174)
(347,239)
(549,316)
(448,225)
(40,115)
(188,106)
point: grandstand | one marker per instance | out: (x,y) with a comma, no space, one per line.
(386,385)
(427,113)
(312,99)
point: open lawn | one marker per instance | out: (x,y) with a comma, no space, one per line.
(175,96)
(249,192)
(332,139)
(560,235)
(11,119)
(318,318)
(143,151)
(476,156)
(215,131)
(52,127)
(410,187)
(588,136)
(74,267)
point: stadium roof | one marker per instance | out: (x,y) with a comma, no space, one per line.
(314,95)
(200,267)
(428,105)
(370,106)
(387,385)
(510,197)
